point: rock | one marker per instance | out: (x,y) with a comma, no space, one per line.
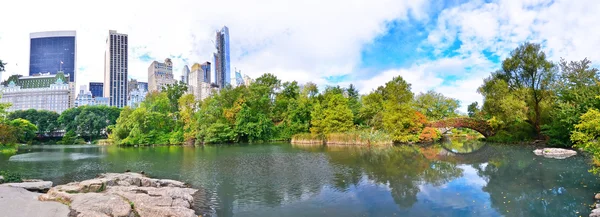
(125,194)
(597,196)
(16,202)
(1,179)
(97,204)
(556,153)
(595,213)
(42,186)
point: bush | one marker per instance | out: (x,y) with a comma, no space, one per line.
(429,135)
(10,176)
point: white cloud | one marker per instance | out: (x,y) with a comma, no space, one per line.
(302,40)
(456,77)
(565,29)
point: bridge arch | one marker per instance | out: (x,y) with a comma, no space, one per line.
(480,126)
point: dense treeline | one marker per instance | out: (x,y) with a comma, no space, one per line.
(531,97)
(269,109)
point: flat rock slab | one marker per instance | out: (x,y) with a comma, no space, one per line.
(125,194)
(40,186)
(556,153)
(18,202)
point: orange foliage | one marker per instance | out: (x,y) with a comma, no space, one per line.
(429,135)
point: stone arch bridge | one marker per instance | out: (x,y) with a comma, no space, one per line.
(480,126)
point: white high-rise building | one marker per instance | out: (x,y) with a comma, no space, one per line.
(115,69)
(159,75)
(199,81)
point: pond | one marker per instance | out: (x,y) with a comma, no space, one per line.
(450,179)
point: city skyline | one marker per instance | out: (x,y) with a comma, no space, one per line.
(447,46)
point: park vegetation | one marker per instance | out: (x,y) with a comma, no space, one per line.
(528,98)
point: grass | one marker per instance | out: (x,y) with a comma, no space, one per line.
(307,138)
(358,137)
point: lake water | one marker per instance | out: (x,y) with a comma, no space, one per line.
(450,179)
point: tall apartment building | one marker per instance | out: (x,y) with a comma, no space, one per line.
(185,74)
(45,91)
(159,75)
(97,89)
(222,61)
(50,52)
(199,81)
(115,68)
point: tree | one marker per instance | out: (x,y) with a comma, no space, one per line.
(23,130)
(332,115)
(174,92)
(399,117)
(187,107)
(528,68)
(372,109)
(473,109)
(45,121)
(575,91)
(436,106)
(587,133)
(2,64)
(89,121)
(353,102)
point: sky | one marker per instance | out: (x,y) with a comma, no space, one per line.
(448,46)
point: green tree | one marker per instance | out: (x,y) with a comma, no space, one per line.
(187,106)
(354,102)
(174,92)
(399,118)
(371,112)
(473,109)
(587,133)
(527,68)
(332,115)
(576,88)
(436,106)
(45,121)
(23,130)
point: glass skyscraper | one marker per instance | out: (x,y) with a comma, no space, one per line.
(97,89)
(52,52)
(222,61)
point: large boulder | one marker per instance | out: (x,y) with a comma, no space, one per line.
(17,202)
(125,194)
(556,153)
(39,186)
(1,179)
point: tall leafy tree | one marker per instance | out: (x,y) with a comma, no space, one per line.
(575,91)
(354,102)
(436,106)
(399,117)
(527,68)
(332,115)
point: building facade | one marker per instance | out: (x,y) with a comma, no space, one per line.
(221,58)
(199,81)
(185,74)
(137,93)
(47,91)
(97,89)
(54,51)
(116,69)
(159,75)
(87,98)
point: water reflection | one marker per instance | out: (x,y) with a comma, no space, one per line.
(457,178)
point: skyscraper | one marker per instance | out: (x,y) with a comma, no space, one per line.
(115,69)
(160,74)
(52,52)
(185,74)
(222,62)
(96,88)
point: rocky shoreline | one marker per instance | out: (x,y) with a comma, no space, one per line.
(110,194)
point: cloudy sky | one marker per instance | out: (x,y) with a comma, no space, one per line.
(448,46)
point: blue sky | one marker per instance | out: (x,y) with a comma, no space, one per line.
(446,46)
